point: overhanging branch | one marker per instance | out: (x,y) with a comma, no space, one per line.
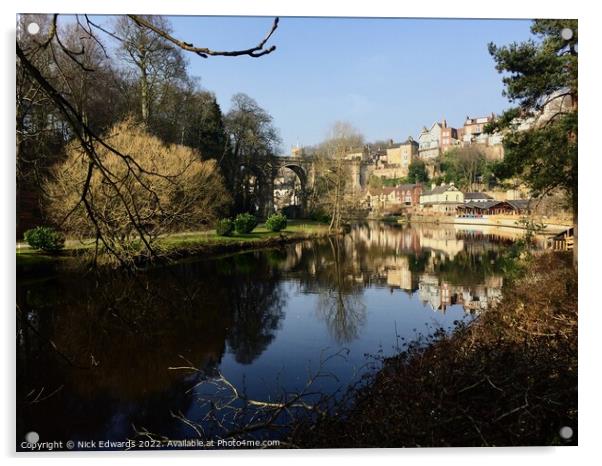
(205,52)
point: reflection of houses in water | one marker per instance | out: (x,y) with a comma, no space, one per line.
(439,239)
(442,239)
(429,291)
(393,247)
(399,274)
(489,234)
(451,240)
(473,298)
(488,237)
(408,259)
(396,239)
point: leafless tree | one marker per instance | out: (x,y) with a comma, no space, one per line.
(155,60)
(336,191)
(467,163)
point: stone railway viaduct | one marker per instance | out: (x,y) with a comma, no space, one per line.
(266,170)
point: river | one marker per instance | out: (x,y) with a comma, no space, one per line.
(103,357)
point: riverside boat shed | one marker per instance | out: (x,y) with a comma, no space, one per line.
(516,207)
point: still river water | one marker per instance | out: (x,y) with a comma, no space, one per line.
(94,355)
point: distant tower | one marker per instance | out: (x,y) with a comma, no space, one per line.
(297,150)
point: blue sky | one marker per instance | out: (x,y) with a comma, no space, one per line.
(388,77)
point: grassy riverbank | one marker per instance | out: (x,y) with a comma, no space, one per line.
(182,244)
(209,243)
(509,378)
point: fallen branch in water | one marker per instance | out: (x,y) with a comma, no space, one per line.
(228,413)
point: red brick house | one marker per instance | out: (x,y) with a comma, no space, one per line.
(388,198)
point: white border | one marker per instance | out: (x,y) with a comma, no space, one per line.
(589,173)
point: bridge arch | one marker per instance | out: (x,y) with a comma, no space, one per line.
(255,195)
(258,178)
(296,188)
(299,171)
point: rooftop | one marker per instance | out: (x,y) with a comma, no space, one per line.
(481,205)
(441,189)
(408,141)
(517,205)
(476,195)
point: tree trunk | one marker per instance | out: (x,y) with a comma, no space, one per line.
(334,209)
(144,96)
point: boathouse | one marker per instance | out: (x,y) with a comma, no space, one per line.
(481,208)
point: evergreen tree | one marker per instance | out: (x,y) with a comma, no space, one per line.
(540,75)
(417,172)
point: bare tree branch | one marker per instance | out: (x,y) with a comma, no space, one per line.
(205,52)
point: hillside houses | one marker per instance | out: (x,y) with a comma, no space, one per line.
(449,137)
(391,199)
(389,163)
(394,162)
(441,137)
(429,141)
(449,200)
(403,153)
(473,130)
(442,199)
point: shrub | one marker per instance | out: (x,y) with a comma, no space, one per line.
(45,238)
(224,227)
(276,222)
(189,191)
(245,223)
(320,216)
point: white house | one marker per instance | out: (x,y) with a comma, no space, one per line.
(477,197)
(429,142)
(442,199)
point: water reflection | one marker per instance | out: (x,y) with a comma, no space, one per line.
(446,265)
(339,304)
(99,352)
